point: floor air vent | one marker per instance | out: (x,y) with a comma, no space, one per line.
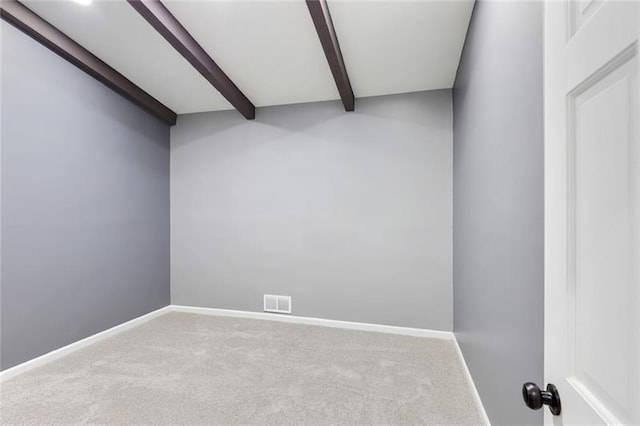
(279,304)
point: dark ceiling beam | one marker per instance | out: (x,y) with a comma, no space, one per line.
(321,17)
(37,28)
(168,26)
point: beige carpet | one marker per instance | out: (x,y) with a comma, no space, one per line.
(186,368)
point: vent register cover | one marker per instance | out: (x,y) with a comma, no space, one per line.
(279,304)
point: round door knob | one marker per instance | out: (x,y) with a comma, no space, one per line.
(535,398)
(531,395)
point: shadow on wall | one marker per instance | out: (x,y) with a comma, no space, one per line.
(85,199)
(408,108)
(498,185)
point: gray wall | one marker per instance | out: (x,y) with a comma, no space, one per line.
(85,204)
(349,213)
(498,205)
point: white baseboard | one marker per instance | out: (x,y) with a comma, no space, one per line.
(66,350)
(472,385)
(405,331)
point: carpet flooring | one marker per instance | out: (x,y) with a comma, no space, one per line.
(197,369)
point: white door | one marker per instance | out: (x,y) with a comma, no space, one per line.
(592,210)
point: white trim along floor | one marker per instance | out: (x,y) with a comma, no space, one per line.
(20,370)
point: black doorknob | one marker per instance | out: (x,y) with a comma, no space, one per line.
(535,398)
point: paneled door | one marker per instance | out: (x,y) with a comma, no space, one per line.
(592,210)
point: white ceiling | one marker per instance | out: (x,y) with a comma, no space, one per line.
(400,46)
(117,34)
(270,49)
